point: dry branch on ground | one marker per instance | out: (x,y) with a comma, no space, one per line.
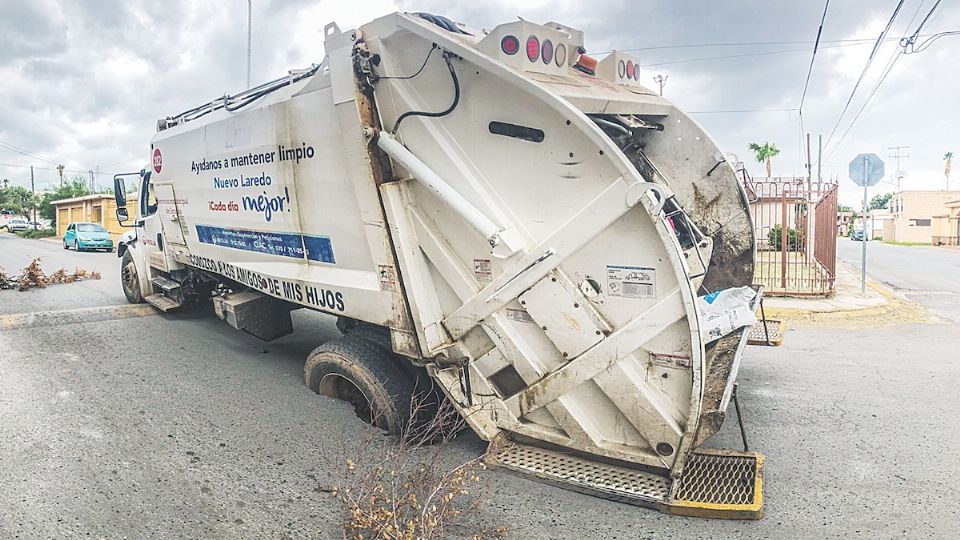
(34,276)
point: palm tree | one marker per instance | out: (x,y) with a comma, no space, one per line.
(764,153)
(947,166)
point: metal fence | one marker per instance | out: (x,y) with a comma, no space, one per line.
(795,222)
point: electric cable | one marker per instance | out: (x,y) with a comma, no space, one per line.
(873,52)
(430,114)
(408,77)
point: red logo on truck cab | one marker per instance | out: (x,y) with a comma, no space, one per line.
(157,160)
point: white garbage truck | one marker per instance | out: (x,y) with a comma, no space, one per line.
(493,211)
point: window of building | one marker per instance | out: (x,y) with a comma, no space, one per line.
(920,222)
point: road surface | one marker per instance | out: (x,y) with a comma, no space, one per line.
(929,275)
(177,426)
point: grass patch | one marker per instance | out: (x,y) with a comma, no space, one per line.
(893,243)
(36,233)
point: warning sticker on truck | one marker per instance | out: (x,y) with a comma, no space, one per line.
(483,270)
(631,281)
(519,315)
(388,282)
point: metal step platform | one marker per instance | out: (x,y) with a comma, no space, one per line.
(718,484)
(768,333)
(161,302)
(165,284)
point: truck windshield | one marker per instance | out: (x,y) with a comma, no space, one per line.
(90,227)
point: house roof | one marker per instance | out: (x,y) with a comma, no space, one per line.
(94,197)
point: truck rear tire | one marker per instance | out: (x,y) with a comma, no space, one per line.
(369,377)
(130,280)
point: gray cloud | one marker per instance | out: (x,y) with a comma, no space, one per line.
(84,82)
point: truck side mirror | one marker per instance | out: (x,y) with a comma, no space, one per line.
(120,194)
(122,214)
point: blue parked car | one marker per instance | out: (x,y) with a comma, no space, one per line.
(82,236)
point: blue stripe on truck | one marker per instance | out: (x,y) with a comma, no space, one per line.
(318,248)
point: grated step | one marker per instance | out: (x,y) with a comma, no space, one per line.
(161,302)
(720,484)
(583,475)
(758,335)
(165,284)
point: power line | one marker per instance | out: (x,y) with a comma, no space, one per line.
(27,153)
(744,55)
(741,44)
(908,42)
(866,68)
(22,166)
(816,44)
(735,111)
(889,67)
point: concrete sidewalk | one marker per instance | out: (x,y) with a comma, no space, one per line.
(878,306)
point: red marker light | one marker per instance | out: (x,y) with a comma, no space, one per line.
(546,51)
(629,69)
(560,56)
(533,48)
(510,45)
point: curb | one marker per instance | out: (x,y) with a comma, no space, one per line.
(895,310)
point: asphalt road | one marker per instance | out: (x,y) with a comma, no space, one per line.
(177,426)
(929,275)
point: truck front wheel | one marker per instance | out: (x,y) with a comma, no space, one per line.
(130,280)
(362,373)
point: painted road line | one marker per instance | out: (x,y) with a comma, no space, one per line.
(17,321)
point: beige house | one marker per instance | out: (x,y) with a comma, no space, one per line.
(946,228)
(98,208)
(920,216)
(844,222)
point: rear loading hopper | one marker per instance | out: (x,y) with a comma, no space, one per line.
(554,229)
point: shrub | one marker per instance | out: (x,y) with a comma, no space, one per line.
(37,233)
(776,239)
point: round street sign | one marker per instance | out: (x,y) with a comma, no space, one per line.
(866,170)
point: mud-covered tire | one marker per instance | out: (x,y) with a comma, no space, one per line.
(363,373)
(129,279)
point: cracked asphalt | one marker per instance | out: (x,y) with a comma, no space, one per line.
(120,425)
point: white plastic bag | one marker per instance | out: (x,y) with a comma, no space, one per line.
(724,311)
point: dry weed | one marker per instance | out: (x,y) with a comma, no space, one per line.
(409,487)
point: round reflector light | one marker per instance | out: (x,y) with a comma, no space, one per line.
(546,51)
(636,72)
(621,69)
(629,69)
(510,45)
(560,56)
(533,48)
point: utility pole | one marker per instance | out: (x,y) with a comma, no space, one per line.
(820,158)
(249,37)
(60,170)
(895,154)
(91,179)
(33,190)
(662,81)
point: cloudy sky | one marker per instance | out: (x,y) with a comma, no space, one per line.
(82,83)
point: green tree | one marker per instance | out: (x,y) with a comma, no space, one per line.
(18,200)
(764,153)
(844,208)
(880,201)
(76,187)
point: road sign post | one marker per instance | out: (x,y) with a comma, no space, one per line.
(865,170)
